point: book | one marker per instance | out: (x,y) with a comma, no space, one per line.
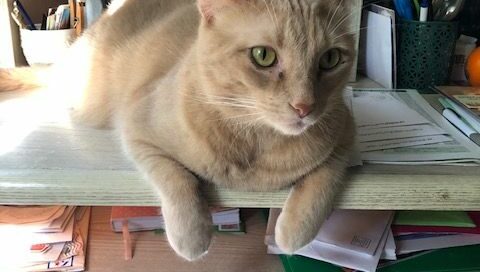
(150,218)
(426,241)
(405,229)
(434,218)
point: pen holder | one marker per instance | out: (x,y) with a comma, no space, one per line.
(45,46)
(424,54)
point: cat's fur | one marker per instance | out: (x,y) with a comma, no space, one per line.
(176,80)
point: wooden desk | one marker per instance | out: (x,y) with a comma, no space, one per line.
(50,161)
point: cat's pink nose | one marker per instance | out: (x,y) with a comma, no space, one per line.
(302,109)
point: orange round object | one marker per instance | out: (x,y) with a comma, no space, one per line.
(473,68)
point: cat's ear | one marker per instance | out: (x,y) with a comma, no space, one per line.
(210,8)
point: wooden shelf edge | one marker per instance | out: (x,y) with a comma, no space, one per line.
(126,188)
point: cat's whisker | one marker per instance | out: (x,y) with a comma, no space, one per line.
(344,19)
(356,11)
(226,104)
(326,22)
(244,100)
(234,100)
(276,18)
(218,100)
(334,13)
(233,118)
(349,32)
(275,23)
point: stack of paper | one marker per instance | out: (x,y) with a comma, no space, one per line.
(353,239)
(48,238)
(384,121)
(400,127)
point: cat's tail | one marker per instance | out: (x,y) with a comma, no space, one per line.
(24,78)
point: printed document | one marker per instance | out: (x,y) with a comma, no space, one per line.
(401,127)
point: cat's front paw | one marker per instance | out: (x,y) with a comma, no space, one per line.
(189,233)
(293,233)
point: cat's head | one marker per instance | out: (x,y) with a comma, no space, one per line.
(274,62)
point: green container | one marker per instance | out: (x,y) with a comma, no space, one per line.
(424,54)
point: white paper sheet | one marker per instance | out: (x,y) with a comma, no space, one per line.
(358,230)
(363,233)
(380,109)
(378,48)
(405,142)
(461,149)
(414,245)
(376,134)
(390,13)
(355,157)
(389,252)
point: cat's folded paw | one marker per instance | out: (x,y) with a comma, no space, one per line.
(190,236)
(291,234)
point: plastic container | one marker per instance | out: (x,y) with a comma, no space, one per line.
(425,52)
(45,46)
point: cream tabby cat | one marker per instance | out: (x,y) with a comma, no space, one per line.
(246,94)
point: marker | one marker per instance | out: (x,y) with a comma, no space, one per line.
(423,11)
(463,113)
(453,118)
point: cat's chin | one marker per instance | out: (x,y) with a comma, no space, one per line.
(293,128)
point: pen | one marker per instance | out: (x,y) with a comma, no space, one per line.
(25,16)
(423,11)
(447,103)
(453,118)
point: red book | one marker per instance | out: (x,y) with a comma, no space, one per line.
(475,216)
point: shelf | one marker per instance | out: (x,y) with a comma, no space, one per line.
(229,252)
(51,161)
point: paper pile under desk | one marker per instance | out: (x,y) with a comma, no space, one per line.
(354,239)
(43,238)
(401,127)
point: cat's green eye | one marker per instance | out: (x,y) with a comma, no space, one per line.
(330,59)
(264,56)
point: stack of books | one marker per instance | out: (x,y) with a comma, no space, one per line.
(43,238)
(130,219)
(416,241)
(150,218)
(65,16)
